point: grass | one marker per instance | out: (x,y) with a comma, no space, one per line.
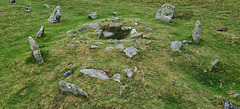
(25,84)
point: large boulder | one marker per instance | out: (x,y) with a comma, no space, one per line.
(93,15)
(197,32)
(40,32)
(176,45)
(56,15)
(95,73)
(71,88)
(36,50)
(165,13)
(131,51)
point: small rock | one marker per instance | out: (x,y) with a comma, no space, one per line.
(109,48)
(72,88)
(35,49)
(135,24)
(126,40)
(93,15)
(117,77)
(98,43)
(176,45)
(138,42)
(12,1)
(137,20)
(40,32)
(186,42)
(134,33)
(26,9)
(113,24)
(47,5)
(204,71)
(76,31)
(112,41)
(126,28)
(122,88)
(95,73)
(228,105)
(197,51)
(68,73)
(56,15)
(213,64)
(108,34)
(68,31)
(197,32)
(145,36)
(236,94)
(148,42)
(78,41)
(149,29)
(70,44)
(115,13)
(81,37)
(82,29)
(135,68)
(93,46)
(119,46)
(94,85)
(131,51)
(165,13)
(94,25)
(129,72)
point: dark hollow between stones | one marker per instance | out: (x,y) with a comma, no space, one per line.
(118,33)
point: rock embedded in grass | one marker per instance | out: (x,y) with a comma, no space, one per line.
(26,9)
(107,34)
(109,48)
(71,88)
(40,32)
(134,33)
(196,34)
(186,42)
(122,88)
(56,15)
(126,28)
(138,42)
(93,15)
(112,41)
(36,50)
(165,13)
(213,64)
(148,42)
(95,73)
(176,45)
(129,72)
(113,24)
(93,46)
(126,40)
(228,105)
(131,51)
(68,73)
(98,42)
(94,25)
(47,5)
(117,77)
(119,46)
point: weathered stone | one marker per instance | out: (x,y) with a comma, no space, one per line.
(68,31)
(95,73)
(115,13)
(113,24)
(176,45)
(119,46)
(165,13)
(107,34)
(98,43)
(148,42)
(93,46)
(135,68)
(138,42)
(126,28)
(94,25)
(117,77)
(126,40)
(93,15)
(129,72)
(236,94)
(144,36)
(36,50)
(78,41)
(122,88)
(173,82)
(47,5)
(137,20)
(134,33)
(213,64)
(56,15)
(68,73)
(196,34)
(135,24)
(204,71)
(228,105)
(71,88)
(12,1)
(131,51)
(149,28)
(26,9)
(186,42)
(109,48)
(100,33)
(70,44)
(112,41)
(82,29)
(81,37)
(40,32)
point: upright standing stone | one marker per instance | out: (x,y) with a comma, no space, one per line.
(40,32)
(165,13)
(56,15)
(36,50)
(197,32)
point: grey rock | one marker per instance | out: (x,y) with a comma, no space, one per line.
(78,41)
(205,71)
(47,5)
(100,33)
(186,42)
(109,48)
(82,29)
(94,25)
(81,37)
(12,1)
(144,36)
(126,28)
(138,42)
(93,46)
(98,43)
(108,34)
(71,88)
(115,13)
(134,33)
(197,51)
(129,72)
(213,64)
(176,45)
(26,9)
(137,20)
(236,94)
(113,24)
(117,77)
(196,34)
(135,24)
(70,44)
(112,41)
(95,73)
(93,15)
(56,15)
(122,88)
(165,13)
(148,42)
(119,46)
(228,105)
(131,51)
(126,40)
(149,28)
(94,85)
(35,50)
(68,73)
(40,32)
(68,31)
(135,68)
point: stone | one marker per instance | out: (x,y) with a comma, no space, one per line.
(40,32)
(173,82)
(98,43)
(26,9)
(129,72)
(112,41)
(93,46)
(126,40)
(138,42)
(56,15)
(213,64)
(95,73)
(82,29)
(108,34)
(12,1)
(68,73)
(94,25)
(126,28)
(35,50)
(137,20)
(148,42)
(165,13)
(47,5)
(117,77)
(149,28)
(197,32)
(81,37)
(145,36)
(131,51)
(135,24)
(70,44)
(134,33)
(100,33)
(135,68)
(176,45)
(115,13)
(93,15)
(236,94)
(77,41)
(228,105)
(71,88)
(204,71)
(119,46)
(186,42)
(122,88)
(109,48)
(113,24)
(68,31)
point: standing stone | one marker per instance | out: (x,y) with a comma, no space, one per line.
(36,50)
(56,15)
(40,32)
(197,32)
(12,1)
(165,13)
(71,88)
(176,45)
(93,15)
(213,64)
(129,72)
(131,51)
(95,73)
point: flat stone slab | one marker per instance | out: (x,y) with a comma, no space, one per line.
(95,73)
(109,48)
(131,51)
(119,46)
(93,46)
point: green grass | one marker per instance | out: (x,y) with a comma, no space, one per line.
(25,84)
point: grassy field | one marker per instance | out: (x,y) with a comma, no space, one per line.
(25,84)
